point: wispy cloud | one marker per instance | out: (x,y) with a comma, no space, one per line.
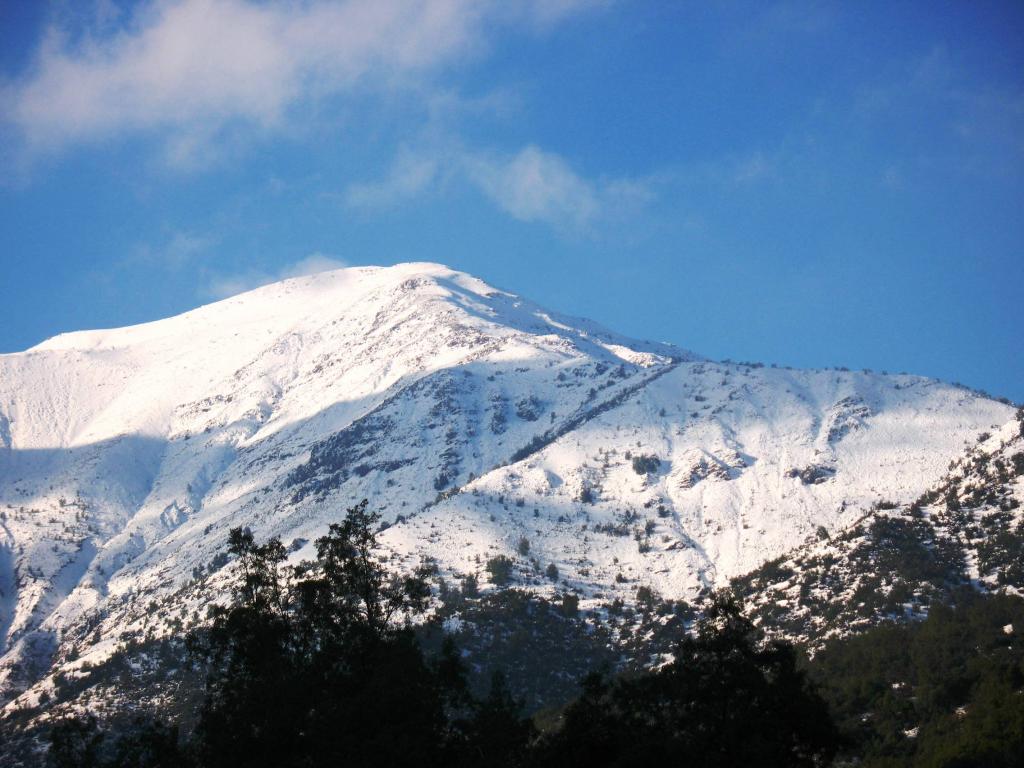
(222,286)
(180,249)
(530,185)
(188,70)
(774,28)
(753,168)
(985,120)
(410,174)
(534,185)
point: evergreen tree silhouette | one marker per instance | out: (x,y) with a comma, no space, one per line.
(727,699)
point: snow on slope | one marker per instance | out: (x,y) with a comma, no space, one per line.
(894,563)
(731,443)
(471,417)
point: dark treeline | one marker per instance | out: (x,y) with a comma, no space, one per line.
(944,692)
(318,665)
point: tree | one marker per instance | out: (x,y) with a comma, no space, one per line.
(75,743)
(497,735)
(252,707)
(727,699)
(319,666)
(297,665)
(646,465)
(348,585)
(953,681)
(80,743)
(570,606)
(500,570)
(148,744)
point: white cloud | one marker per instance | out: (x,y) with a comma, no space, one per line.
(531,185)
(222,286)
(751,169)
(964,125)
(229,285)
(189,68)
(181,248)
(535,186)
(409,175)
(311,265)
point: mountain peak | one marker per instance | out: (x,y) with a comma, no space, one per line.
(355,296)
(285,298)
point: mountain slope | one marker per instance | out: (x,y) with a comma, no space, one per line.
(477,422)
(964,532)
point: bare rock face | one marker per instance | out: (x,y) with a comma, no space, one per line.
(812,474)
(697,466)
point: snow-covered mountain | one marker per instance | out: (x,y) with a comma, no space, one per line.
(964,532)
(477,422)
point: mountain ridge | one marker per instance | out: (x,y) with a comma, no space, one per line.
(474,419)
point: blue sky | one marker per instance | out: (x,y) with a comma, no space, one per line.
(810,184)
